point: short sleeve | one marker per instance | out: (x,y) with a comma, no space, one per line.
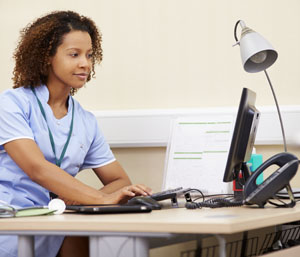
(14,117)
(99,153)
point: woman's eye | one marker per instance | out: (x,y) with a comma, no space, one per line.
(74,54)
(90,56)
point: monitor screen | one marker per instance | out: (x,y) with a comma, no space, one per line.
(243,137)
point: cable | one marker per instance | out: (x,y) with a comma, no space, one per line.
(278,205)
(215,195)
(284,204)
(215,203)
(227,195)
(216,200)
(286,196)
(197,190)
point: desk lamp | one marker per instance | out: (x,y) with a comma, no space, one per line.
(257,55)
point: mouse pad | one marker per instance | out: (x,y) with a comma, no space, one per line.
(108,208)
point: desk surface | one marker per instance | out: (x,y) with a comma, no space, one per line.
(181,220)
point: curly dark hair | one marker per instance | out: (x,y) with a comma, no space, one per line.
(39,41)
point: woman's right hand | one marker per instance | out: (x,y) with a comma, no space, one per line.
(118,197)
(124,194)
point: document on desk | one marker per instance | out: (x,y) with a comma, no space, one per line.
(197,153)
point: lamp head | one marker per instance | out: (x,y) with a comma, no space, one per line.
(256,52)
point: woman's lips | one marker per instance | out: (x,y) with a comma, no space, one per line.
(81,76)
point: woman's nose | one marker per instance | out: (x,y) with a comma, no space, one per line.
(84,62)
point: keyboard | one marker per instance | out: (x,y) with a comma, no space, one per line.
(169,194)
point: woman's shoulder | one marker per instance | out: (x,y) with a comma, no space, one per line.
(18,96)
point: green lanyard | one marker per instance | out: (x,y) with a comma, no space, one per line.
(57,162)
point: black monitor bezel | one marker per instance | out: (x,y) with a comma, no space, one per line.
(243,136)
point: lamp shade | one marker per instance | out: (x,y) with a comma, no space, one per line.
(256,52)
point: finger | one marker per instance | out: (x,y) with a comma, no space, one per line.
(138,190)
(129,191)
(145,189)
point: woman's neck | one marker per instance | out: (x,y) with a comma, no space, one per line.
(58,100)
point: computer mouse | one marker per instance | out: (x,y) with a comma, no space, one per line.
(145,200)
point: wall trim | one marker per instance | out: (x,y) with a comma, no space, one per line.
(151,127)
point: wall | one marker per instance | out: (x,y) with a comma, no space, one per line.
(146,165)
(170,54)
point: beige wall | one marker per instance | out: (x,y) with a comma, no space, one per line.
(146,165)
(143,165)
(170,54)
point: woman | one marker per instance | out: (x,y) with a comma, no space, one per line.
(46,137)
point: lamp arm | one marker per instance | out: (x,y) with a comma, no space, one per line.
(278,110)
(235,28)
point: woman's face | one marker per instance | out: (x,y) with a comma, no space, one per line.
(72,63)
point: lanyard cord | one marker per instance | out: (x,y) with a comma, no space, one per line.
(57,162)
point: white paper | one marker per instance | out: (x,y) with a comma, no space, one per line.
(197,153)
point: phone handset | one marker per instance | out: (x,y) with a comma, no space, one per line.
(259,194)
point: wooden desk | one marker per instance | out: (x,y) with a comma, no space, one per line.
(130,234)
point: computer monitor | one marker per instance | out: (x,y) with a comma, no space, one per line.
(243,139)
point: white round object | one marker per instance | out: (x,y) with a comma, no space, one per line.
(58,205)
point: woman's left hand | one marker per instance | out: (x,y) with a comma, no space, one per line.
(139,189)
(134,190)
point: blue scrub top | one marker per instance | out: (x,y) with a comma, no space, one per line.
(20,117)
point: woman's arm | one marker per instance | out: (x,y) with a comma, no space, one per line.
(114,178)
(30,159)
